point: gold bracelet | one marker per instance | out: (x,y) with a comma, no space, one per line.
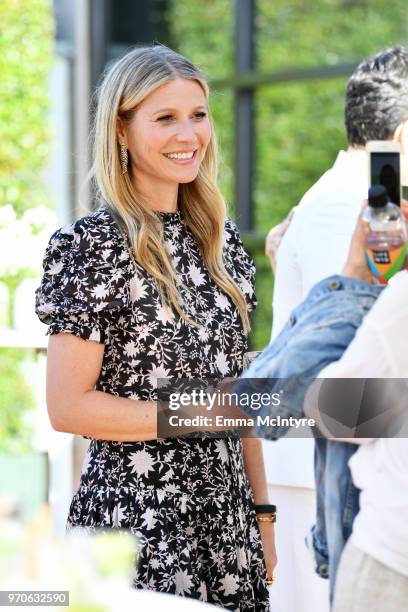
(266,518)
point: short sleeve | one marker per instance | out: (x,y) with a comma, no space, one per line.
(86,278)
(239,264)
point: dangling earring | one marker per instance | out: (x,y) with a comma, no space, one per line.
(124,157)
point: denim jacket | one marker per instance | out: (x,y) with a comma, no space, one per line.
(317,333)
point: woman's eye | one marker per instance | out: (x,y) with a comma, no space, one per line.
(167,118)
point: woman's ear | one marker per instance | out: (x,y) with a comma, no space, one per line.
(121,132)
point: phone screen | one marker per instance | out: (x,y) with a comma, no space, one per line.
(385,170)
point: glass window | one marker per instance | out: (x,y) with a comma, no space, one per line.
(295,33)
(299,131)
(204,32)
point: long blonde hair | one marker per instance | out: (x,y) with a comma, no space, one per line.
(126,84)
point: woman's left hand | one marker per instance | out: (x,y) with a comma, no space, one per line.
(267,531)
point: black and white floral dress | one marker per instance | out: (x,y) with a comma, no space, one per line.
(187,499)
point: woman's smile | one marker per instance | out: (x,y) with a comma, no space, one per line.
(182,157)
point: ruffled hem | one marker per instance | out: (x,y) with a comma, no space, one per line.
(207,548)
(93,332)
(105,506)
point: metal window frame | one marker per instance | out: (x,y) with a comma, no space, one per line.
(244,84)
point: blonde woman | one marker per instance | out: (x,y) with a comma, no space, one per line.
(156,283)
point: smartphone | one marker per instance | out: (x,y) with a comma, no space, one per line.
(384,167)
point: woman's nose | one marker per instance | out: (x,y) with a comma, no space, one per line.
(185,132)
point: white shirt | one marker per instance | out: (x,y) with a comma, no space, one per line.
(380,468)
(317,241)
(315,246)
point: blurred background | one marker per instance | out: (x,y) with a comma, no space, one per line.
(278,72)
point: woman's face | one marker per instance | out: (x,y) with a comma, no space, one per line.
(169,133)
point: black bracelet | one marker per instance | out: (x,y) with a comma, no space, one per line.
(265,509)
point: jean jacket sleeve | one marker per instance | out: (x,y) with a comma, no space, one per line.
(316,334)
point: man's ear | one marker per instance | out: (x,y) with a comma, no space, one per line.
(121,132)
(401,136)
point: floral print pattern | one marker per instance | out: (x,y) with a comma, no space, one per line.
(187,499)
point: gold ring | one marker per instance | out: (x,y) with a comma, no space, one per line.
(271,581)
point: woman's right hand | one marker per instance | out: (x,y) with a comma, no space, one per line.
(356,265)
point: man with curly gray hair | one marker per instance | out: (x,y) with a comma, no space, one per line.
(316,243)
(377,98)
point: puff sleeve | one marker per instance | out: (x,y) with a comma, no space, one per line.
(239,264)
(85,286)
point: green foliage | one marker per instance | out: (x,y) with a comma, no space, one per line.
(299,131)
(222,108)
(299,126)
(262,322)
(15,400)
(26,39)
(316,32)
(203,31)
(26,51)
